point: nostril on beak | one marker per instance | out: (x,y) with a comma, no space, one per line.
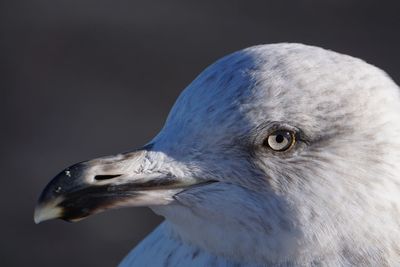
(106,177)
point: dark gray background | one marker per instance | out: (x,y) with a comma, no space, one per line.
(81,79)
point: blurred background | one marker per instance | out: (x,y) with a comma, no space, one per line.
(82,79)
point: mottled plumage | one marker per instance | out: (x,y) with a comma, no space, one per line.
(334,200)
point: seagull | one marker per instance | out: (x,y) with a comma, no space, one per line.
(276,155)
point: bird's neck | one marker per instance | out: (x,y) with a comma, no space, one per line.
(236,236)
(163,247)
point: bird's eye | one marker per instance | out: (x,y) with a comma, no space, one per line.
(280,140)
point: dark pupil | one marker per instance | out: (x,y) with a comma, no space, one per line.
(279,138)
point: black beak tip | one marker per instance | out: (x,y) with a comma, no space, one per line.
(63,182)
(49,204)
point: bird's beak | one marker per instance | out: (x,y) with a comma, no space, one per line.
(132,179)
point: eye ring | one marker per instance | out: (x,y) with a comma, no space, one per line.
(280,140)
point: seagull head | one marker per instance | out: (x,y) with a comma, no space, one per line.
(270,151)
